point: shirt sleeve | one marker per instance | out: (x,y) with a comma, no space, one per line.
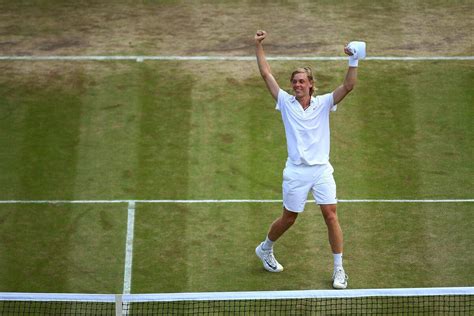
(334,106)
(327,101)
(282,95)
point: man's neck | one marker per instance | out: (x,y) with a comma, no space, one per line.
(304,101)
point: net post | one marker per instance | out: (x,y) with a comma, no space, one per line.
(118,305)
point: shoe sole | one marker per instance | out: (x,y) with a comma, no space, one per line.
(339,286)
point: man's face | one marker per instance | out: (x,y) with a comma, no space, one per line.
(301,85)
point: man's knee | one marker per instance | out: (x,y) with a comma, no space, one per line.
(289,217)
(329,213)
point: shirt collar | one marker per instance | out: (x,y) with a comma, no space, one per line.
(293,100)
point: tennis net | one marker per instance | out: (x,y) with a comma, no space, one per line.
(421,301)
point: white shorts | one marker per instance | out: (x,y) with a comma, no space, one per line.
(298,180)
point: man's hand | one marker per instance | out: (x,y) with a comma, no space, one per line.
(347,51)
(260,36)
(356,52)
(353,62)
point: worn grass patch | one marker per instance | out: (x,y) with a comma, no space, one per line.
(415,28)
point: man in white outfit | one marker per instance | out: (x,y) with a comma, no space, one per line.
(306,121)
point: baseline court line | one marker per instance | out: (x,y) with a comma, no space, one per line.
(224,58)
(228,201)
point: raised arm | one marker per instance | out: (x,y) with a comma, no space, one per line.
(349,81)
(263,65)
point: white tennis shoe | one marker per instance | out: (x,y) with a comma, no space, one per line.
(268,259)
(339,278)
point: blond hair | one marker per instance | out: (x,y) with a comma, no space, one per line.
(309,74)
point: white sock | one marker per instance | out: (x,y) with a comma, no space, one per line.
(337,260)
(267,244)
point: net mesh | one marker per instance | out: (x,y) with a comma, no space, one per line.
(56,308)
(349,302)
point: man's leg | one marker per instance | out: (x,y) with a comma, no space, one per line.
(281,225)
(295,189)
(334,229)
(265,250)
(336,241)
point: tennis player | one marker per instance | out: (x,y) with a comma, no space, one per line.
(306,122)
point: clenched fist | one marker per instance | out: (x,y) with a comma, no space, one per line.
(260,36)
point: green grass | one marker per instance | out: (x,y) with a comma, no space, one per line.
(208,130)
(211,247)
(182,248)
(407,127)
(62,248)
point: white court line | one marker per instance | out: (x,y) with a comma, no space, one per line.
(223,58)
(227,201)
(127,278)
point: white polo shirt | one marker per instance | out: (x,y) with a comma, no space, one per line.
(307,131)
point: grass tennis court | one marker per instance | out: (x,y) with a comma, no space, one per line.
(106,130)
(66,248)
(208,130)
(178,249)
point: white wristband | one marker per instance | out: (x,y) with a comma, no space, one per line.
(353,62)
